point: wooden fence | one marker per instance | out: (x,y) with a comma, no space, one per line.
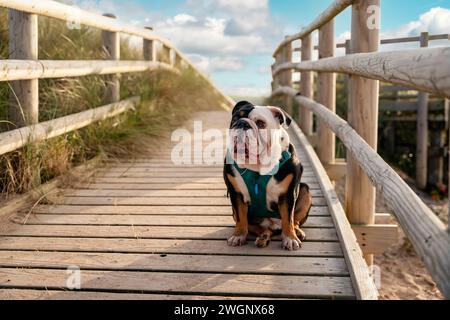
(425,69)
(24,69)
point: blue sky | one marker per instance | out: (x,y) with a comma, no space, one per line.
(232,40)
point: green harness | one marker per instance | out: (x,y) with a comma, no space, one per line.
(257,188)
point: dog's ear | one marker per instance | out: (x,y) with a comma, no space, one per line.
(284,118)
(240,105)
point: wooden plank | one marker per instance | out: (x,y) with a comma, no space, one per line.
(175,263)
(15,204)
(169,174)
(178,169)
(195,283)
(362,283)
(153,220)
(155,193)
(30,294)
(174,180)
(168,186)
(140,201)
(165,246)
(149,232)
(375,239)
(150,210)
(15,139)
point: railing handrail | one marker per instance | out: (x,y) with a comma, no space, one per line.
(426,231)
(333,10)
(418,69)
(44,69)
(425,69)
(70,13)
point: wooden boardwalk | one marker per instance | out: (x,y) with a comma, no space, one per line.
(146,229)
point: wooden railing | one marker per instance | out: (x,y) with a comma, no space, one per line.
(24,69)
(426,70)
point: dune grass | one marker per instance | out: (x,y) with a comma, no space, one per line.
(167,100)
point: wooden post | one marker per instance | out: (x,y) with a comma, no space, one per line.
(111,44)
(363,117)
(326,95)
(306,87)
(287,57)
(422,130)
(166,54)
(23,44)
(149,48)
(276,78)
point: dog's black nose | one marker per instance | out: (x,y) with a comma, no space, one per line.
(243,125)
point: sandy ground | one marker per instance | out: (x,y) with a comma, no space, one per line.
(403,275)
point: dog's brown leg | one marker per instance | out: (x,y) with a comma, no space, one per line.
(263,235)
(302,208)
(239,236)
(240,213)
(290,241)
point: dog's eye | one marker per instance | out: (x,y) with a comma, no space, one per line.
(260,124)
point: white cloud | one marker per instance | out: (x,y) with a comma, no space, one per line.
(184,19)
(214,64)
(435,21)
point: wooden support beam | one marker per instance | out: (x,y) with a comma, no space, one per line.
(326,95)
(287,77)
(306,87)
(336,170)
(363,117)
(23,45)
(375,239)
(15,139)
(422,130)
(111,45)
(149,48)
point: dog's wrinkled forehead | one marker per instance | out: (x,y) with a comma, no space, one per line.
(273,116)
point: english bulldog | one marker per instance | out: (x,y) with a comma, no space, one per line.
(262,173)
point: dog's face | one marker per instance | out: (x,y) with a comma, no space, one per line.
(257,134)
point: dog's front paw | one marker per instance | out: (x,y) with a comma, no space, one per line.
(237,240)
(263,240)
(290,242)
